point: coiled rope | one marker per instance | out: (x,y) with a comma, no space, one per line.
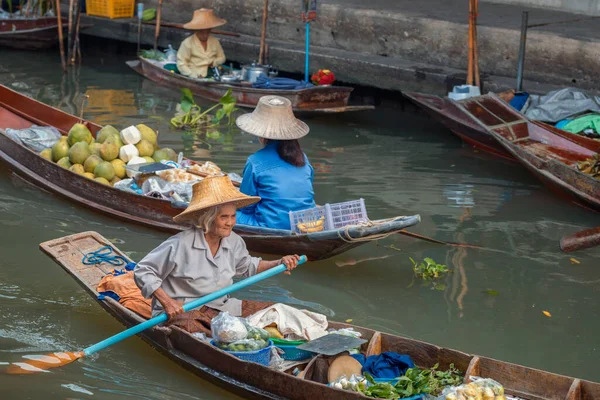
(104,254)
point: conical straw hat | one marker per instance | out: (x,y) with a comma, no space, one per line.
(204,18)
(214,191)
(273,119)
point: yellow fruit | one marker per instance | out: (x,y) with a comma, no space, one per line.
(95,148)
(106,132)
(102,180)
(64,162)
(89,175)
(77,168)
(145,148)
(119,167)
(109,151)
(104,170)
(79,152)
(114,180)
(47,154)
(60,150)
(79,133)
(274,332)
(148,134)
(91,163)
(311,226)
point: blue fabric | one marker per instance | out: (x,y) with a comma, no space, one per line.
(281,186)
(109,293)
(562,123)
(385,365)
(262,82)
(518,102)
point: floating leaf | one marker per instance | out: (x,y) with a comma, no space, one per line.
(187,99)
(547,314)
(574,261)
(227,98)
(491,292)
(349,320)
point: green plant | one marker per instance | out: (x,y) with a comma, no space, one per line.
(430,271)
(190,116)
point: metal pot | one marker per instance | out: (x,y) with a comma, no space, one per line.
(229,79)
(251,72)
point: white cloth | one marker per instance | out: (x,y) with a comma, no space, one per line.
(303,324)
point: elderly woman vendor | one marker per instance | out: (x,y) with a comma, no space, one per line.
(200,51)
(203,259)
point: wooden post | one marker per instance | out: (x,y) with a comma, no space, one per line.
(61,41)
(70,33)
(76,46)
(476,46)
(263,33)
(157,31)
(470,65)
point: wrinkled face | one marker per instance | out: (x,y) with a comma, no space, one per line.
(224,221)
(203,34)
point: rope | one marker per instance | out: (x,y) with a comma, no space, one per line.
(368,223)
(104,255)
(506,124)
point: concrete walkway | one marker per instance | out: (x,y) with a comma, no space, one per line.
(399,44)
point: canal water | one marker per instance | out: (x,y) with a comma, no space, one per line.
(519,299)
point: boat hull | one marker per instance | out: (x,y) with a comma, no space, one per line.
(325,99)
(32,33)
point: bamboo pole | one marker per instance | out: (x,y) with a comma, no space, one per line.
(476,46)
(263,33)
(470,62)
(76,46)
(157,31)
(73,49)
(61,42)
(70,33)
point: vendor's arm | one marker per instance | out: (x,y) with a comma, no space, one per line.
(290,263)
(184,55)
(220,58)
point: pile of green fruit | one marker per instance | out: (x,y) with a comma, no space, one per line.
(256,339)
(102,158)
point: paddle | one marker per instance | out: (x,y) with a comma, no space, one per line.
(428,239)
(581,240)
(43,363)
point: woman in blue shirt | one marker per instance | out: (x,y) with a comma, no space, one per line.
(280,172)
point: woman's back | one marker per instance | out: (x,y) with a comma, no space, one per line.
(282,187)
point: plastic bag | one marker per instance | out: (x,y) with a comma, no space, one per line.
(485,389)
(356,383)
(256,333)
(276,362)
(36,138)
(228,329)
(243,345)
(157,184)
(347,332)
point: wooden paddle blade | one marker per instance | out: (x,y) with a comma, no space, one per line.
(581,240)
(42,363)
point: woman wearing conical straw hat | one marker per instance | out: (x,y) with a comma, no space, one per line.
(200,51)
(279,173)
(203,259)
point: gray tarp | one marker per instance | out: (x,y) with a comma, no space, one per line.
(37,138)
(560,104)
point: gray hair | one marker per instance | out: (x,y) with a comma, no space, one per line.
(207,219)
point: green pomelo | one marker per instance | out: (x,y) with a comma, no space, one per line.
(109,151)
(105,133)
(105,170)
(148,134)
(79,133)
(160,155)
(148,159)
(64,162)
(119,167)
(145,148)
(64,139)
(116,140)
(77,168)
(60,150)
(95,148)
(89,175)
(171,153)
(79,152)
(47,153)
(114,180)
(91,163)
(102,180)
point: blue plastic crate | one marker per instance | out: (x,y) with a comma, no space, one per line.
(262,356)
(292,353)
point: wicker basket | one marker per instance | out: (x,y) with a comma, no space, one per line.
(110,8)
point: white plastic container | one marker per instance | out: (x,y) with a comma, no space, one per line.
(462,92)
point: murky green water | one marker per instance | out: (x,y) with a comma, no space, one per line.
(399,162)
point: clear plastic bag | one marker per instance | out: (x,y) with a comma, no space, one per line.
(157,184)
(256,333)
(243,345)
(228,329)
(37,138)
(484,389)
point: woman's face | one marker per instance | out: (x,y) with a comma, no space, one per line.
(224,221)
(203,34)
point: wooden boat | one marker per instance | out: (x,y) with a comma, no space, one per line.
(549,153)
(29,33)
(256,381)
(18,111)
(318,99)
(451,114)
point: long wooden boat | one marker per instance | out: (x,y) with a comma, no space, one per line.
(456,118)
(549,153)
(318,99)
(253,380)
(29,33)
(18,111)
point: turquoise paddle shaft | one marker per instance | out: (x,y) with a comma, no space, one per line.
(187,307)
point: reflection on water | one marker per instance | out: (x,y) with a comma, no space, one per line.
(399,162)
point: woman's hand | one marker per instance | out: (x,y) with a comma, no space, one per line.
(290,262)
(172,308)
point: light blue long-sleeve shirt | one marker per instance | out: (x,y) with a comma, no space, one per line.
(282,188)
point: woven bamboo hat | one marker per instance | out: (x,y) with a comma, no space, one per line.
(204,18)
(273,119)
(211,192)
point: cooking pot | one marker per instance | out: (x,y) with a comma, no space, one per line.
(251,72)
(229,78)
